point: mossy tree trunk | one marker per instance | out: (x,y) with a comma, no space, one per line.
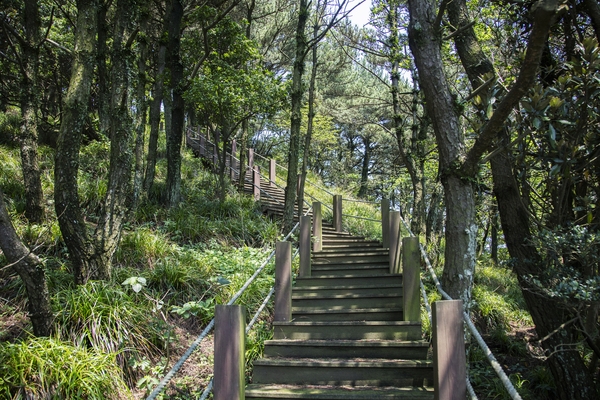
(32,273)
(175,134)
(66,167)
(91,256)
(30,45)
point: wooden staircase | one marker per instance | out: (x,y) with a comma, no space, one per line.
(347,338)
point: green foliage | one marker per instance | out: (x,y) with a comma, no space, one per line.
(570,258)
(9,127)
(101,316)
(52,369)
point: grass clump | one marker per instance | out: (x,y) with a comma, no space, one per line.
(47,368)
(102,316)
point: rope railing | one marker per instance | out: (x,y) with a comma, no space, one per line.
(512,391)
(177,366)
(360,201)
(209,387)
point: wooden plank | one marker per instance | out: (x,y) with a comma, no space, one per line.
(317,226)
(449,375)
(283,281)
(411,262)
(229,347)
(304,245)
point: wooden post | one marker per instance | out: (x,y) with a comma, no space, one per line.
(411,267)
(272,172)
(394,229)
(229,348)
(304,246)
(251,159)
(232,162)
(449,359)
(202,146)
(283,281)
(385,223)
(317,226)
(256,182)
(337,212)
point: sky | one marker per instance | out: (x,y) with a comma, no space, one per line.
(360,16)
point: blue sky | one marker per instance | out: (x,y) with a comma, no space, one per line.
(360,16)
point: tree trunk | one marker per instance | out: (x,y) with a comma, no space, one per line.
(141,114)
(155,113)
(296,119)
(461,231)
(364,173)
(32,273)
(175,134)
(243,150)
(34,198)
(114,210)
(103,81)
(66,198)
(311,118)
(573,380)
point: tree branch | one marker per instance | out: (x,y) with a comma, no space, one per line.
(544,11)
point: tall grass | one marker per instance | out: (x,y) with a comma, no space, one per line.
(47,368)
(104,317)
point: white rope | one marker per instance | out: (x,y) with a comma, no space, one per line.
(486,350)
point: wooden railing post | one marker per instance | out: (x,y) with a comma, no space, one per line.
(317,226)
(394,237)
(229,348)
(411,267)
(256,182)
(337,212)
(232,162)
(202,146)
(449,359)
(251,159)
(385,223)
(272,172)
(304,246)
(283,281)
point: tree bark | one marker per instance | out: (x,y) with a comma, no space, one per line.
(66,198)
(461,231)
(34,199)
(114,210)
(31,270)
(296,119)
(141,112)
(175,134)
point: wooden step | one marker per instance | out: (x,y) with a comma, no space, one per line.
(293,392)
(343,372)
(347,280)
(345,270)
(348,330)
(340,301)
(347,314)
(391,349)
